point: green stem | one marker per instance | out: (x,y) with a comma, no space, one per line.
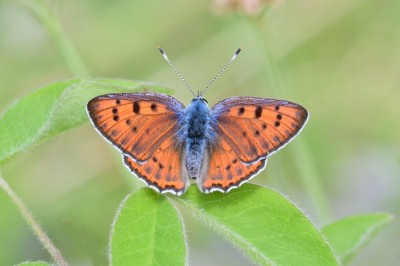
(49,20)
(36,228)
(300,153)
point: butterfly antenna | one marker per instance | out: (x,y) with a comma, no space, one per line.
(220,72)
(176,70)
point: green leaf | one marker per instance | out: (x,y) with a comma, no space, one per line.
(147,230)
(53,109)
(263,224)
(349,235)
(35,263)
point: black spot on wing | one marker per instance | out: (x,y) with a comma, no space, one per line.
(258,112)
(253,149)
(114,132)
(265,145)
(172,187)
(147,170)
(229,176)
(136,107)
(157,176)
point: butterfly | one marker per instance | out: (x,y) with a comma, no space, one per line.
(165,144)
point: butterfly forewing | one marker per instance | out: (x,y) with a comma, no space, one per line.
(136,123)
(256,127)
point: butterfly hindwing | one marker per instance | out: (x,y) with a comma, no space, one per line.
(225,170)
(163,170)
(136,123)
(257,127)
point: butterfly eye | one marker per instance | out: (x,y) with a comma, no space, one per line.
(204,100)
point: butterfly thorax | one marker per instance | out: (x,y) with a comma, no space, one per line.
(196,130)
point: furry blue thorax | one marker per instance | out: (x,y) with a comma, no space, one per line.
(196,133)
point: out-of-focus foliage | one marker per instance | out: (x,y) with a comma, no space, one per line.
(339,59)
(349,235)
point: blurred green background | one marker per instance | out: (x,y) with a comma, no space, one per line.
(339,59)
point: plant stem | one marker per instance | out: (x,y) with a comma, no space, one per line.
(300,153)
(49,20)
(36,228)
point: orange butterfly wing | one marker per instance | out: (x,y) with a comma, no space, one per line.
(257,127)
(249,129)
(164,171)
(225,170)
(137,123)
(143,127)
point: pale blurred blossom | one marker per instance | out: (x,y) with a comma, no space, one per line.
(248,7)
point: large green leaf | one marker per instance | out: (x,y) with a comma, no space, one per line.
(349,235)
(147,231)
(54,109)
(263,224)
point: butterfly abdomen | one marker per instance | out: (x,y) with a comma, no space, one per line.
(195,130)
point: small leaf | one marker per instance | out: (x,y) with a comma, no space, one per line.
(349,235)
(147,230)
(53,109)
(34,263)
(263,224)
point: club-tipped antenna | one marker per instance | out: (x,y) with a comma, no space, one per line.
(220,72)
(176,70)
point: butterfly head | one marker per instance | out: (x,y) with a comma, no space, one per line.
(200,100)
(200,97)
